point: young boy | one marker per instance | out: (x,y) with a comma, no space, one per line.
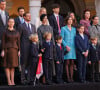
(34,57)
(94,59)
(59,59)
(48,50)
(56,20)
(82,47)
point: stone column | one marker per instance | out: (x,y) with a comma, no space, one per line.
(97,6)
(34,7)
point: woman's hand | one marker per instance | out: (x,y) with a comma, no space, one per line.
(3,53)
(18,53)
(68,48)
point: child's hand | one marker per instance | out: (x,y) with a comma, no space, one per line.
(40,55)
(2,53)
(43,50)
(89,62)
(57,62)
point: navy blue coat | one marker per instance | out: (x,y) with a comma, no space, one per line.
(34,52)
(94,54)
(49,51)
(59,53)
(82,45)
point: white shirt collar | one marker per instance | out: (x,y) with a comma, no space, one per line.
(2,11)
(82,35)
(58,44)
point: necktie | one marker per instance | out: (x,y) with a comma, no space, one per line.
(58,25)
(60,47)
(49,43)
(3,17)
(29,27)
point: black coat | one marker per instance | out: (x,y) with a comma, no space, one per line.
(17,22)
(94,54)
(25,42)
(34,52)
(59,53)
(53,23)
(2,26)
(49,51)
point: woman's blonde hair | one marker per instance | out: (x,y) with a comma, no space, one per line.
(32,37)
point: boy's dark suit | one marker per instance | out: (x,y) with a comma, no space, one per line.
(47,60)
(53,23)
(94,57)
(34,52)
(59,67)
(82,45)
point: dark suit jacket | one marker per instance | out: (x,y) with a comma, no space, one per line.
(25,43)
(53,23)
(49,50)
(34,52)
(82,45)
(2,26)
(17,22)
(94,54)
(59,53)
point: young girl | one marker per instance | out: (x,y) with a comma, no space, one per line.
(47,50)
(82,47)
(34,57)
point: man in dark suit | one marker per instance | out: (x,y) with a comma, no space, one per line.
(25,30)
(19,20)
(3,18)
(82,48)
(3,21)
(56,20)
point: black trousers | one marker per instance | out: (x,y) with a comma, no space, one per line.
(59,71)
(47,69)
(95,70)
(31,72)
(82,61)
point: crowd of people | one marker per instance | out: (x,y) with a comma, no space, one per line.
(64,45)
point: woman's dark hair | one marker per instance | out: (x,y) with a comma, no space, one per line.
(42,16)
(75,20)
(10,18)
(20,8)
(66,19)
(86,10)
(93,18)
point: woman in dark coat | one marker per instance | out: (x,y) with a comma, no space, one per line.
(10,51)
